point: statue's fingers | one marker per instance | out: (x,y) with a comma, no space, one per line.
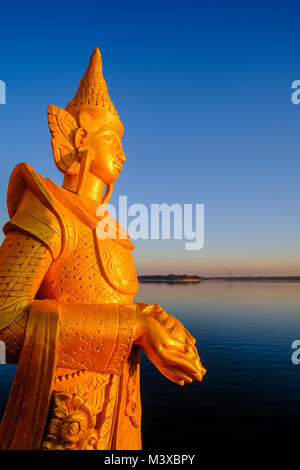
(187,378)
(177,345)
(177,359)
(193,375)
(193,347)
(200,367)
(191,355)
(179,330)
(190,337)
(176,375)
(166,370)
(203,370)
(171,376)
(188,349)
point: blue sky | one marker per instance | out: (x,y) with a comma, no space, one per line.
(204,92)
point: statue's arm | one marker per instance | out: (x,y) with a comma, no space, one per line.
(24,262)
(99,337)
(92,337)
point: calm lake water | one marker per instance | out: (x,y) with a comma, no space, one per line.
(251,390)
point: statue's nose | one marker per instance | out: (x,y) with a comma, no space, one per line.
(121,156)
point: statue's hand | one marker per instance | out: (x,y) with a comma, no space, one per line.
(176,359)
(172,325)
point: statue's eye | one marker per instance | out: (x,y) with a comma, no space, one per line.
(108,139)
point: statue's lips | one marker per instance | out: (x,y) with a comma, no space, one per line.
(118,166)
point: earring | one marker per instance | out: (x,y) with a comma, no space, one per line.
(86,155)
(108,193)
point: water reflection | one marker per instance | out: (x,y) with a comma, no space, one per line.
(244,333)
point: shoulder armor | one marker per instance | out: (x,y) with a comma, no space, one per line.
(32,209)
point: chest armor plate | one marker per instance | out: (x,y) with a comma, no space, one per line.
(117,265)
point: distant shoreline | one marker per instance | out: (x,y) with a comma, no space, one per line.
(195,279)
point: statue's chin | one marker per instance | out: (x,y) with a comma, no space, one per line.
(107,178)
(114,175)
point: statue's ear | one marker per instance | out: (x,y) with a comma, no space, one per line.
(63,127)
(80,137)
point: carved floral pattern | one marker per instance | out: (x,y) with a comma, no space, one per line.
(72,426)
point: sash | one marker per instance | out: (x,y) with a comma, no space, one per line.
(26,412)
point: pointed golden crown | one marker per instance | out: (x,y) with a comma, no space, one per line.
(92,94)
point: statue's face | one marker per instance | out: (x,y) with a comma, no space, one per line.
(109,155)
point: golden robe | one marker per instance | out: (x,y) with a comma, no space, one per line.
(73,335)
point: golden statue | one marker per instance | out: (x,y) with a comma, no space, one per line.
(67,311)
